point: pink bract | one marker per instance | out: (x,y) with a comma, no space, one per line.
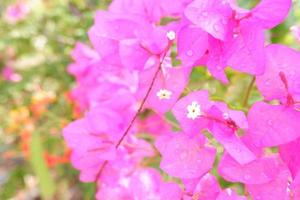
(141,116)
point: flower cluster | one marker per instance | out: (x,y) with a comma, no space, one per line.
(138,70)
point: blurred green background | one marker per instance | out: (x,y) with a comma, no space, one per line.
(35,105)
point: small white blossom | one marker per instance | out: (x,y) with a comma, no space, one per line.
(171,35)
(194,110)
(225,115)
(164,94)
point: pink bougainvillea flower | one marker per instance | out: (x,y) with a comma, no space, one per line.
(143,183)
(290,155)
(192,44)
(185,157)
(167,88)
(129,70)
(258,171)
(281,80)
(84,57)
(149,10)
(154,124)
(224,128)
(271,125)
(113,193)
(93,138)
(238,34)
(245,52)
(152,10)
(99,80)
(296,32)
(189,111)
(276,189)
(216,62)
(9,74)
(196,112)
(109,29)
(206,188)
(132,54)
(270,13)
(147,183)
(213,16)
(16,12)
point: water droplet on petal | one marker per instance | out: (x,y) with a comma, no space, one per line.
(267,82)
(189,53)
(219,68)
(229,192)
(238,150)
(247,177)
(270,122)
(225,115)
(223,21)
(183,155)
(216,27)
(193,9)
(292,73)
(224,2)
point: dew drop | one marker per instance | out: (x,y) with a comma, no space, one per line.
(293,73)
(216,27)
(223,21)
(183,155)
(267,82)
(247,177)
(270,122)
(224,2)
(117,28)
(193,9)
(238,150)
(225,115)
(189,53)
(219,68)
(229,192)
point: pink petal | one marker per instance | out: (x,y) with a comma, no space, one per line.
(245,52)
(184,158)
(258,171)
(192,44)
(280,58)
(180,111)
(270,13)
(290,155)
(212,16)
(271,125)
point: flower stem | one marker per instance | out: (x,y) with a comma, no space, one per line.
(133,119)
(248,92)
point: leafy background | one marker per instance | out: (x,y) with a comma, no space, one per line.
(34,110)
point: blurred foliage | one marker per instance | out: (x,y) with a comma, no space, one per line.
(34,110)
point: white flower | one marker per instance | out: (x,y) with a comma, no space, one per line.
(194,110)
(164,94)
(171,35)
(225,115)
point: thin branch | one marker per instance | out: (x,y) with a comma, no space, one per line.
(248,92)
(141,106)
(134,118)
